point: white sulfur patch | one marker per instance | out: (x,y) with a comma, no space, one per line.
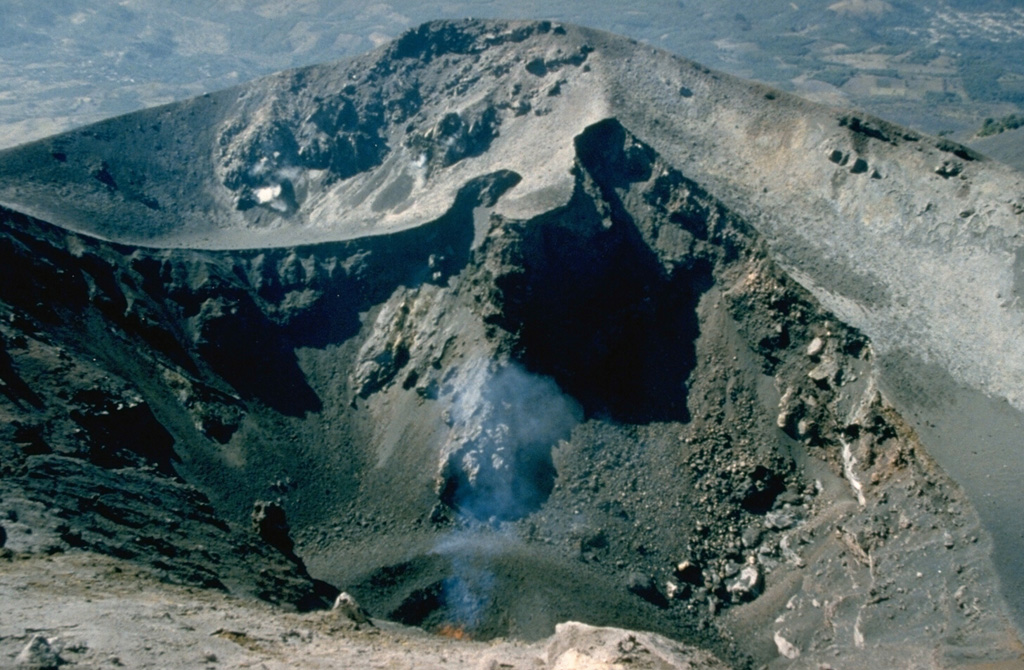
(849,463)
(267,194)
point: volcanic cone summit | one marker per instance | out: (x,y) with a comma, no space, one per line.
(506,324)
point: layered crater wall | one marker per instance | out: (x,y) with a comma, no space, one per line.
(518,323)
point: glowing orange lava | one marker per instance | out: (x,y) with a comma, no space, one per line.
(454,632)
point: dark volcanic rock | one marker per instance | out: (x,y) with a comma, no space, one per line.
(269,522)
(165,525)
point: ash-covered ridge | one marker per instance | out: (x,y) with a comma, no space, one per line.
(505,324)
(329,152)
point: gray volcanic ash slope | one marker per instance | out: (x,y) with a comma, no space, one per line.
(506,324)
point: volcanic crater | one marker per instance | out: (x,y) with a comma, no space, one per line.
(498,326)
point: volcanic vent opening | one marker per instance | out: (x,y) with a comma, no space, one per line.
(488,363)
(562,451)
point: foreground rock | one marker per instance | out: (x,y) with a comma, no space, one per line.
(100,612)
(579,646)
(38,654)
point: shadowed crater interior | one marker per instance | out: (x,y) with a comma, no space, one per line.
(592,305)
